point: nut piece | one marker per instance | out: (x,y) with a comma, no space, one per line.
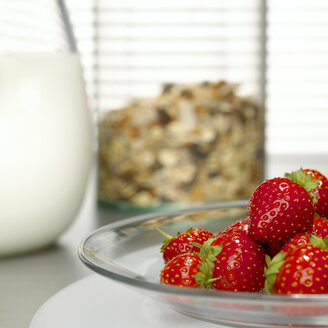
(196,143)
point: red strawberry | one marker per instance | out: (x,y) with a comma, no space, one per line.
(191,269)
(183,243)
(240,264)
(186,270)
(303,271)
(279,209)
(272,249)
(316,175)
(237,226)
(317,188)
(320,229)
(321,194)
(297,241)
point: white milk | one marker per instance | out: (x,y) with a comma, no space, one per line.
(45,148)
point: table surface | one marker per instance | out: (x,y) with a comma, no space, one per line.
(27,281)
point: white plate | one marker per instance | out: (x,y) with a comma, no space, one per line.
(97,302)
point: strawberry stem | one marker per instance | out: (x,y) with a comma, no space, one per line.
(164,233)
(166,241)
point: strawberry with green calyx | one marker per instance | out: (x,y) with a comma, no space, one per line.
(240,264)
(305,180)
(193,270)
(303,271)
(186,270)
(317,186)
(183,243)
(320,229)
(279,209)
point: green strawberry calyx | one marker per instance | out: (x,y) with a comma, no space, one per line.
(271,270)
(168,238)
(305,180)
(208,253)
(204,276)
(317,241)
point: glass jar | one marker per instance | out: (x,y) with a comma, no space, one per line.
(192,144)
(45,126)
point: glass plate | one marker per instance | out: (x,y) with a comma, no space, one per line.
(129,208)
(128,251)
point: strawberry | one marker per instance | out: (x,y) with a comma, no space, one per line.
(303,271)
(297,241)
(320,229)
(191,269)
(183,243)
(321,194)
(240,264)
(239,225)
(317,188)
(316,175)
(186,270)
(279,209)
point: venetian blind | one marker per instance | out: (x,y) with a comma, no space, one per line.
(297,76)
(139,45)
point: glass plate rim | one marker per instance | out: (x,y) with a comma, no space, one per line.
(178,291)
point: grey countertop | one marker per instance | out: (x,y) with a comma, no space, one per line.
(27,281)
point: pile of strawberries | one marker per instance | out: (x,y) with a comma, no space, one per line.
(280,248)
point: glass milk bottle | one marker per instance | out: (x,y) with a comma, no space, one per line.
(45,126)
